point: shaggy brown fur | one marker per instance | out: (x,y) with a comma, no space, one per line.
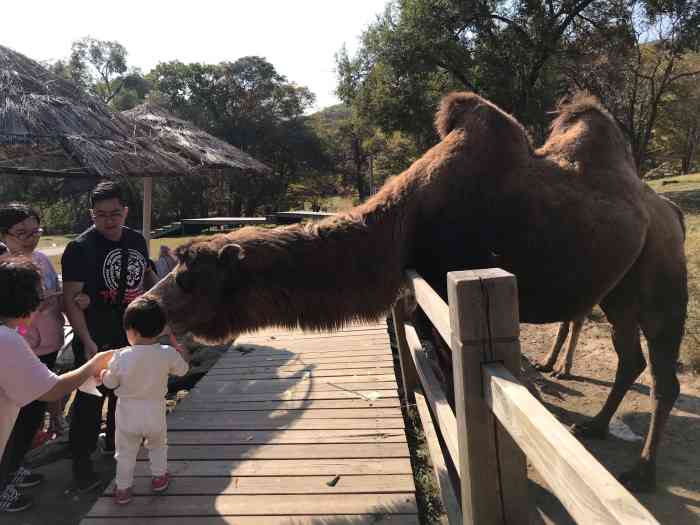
(571,220)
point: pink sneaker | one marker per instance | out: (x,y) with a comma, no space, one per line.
(160,483)
(122,496)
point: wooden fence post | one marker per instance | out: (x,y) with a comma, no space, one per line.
(485,328)
(409,375)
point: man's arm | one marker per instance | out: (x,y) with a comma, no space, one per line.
(71,289)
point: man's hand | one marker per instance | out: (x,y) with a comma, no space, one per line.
(90,349)
(82,300)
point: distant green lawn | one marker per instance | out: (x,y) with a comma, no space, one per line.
(689,182)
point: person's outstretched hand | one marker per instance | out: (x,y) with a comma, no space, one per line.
(100,361)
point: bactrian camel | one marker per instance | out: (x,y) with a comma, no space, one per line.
(571,220)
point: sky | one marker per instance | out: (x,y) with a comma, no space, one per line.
(299,38)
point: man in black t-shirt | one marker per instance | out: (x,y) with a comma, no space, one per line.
(108,262)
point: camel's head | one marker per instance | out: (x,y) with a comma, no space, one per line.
(193,294)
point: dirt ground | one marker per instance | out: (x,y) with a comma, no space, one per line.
(677,499)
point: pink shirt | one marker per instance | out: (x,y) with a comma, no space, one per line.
(45,333)
(23,379)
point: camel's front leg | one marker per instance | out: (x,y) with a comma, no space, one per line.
(551,358)
(563,371)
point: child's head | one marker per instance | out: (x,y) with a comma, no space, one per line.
(20,282)
(144,319)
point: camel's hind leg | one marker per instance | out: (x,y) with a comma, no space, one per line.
(664,345)
(548,364)
(563,370)
(630,364)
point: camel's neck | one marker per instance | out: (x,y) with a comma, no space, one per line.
(327,274)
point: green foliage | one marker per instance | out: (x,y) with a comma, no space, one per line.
(524,55)
(250,105)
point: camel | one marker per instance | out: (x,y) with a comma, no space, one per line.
(570,219)
(563,370)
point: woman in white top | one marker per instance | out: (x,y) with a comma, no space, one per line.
(23,378)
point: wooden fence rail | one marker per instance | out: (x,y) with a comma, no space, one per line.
(497,423)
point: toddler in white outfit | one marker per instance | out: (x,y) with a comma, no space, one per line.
(139,373)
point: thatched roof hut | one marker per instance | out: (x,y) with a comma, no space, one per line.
(202,150)
(49,127)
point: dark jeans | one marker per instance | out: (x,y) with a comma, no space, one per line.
(29,420)
(86,419)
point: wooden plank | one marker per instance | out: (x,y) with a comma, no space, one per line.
(500,291)
(309,379)
(303,374)
(446,420)
(291,395)
(297,519)
(450,501)
(479,479)
(245,386)
(283,467)
(298,361)
(283,385)
(208,421)
(409,376)
(347,347)
(250,505)
(432,304)
(306,351)
(256,452)
(279,485)
(191,405)
(386,363)
(273,437)
(587,490)
(329,413)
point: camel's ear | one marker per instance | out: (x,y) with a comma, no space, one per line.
(231,253)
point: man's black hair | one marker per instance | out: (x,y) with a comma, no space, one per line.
(146,317)
(20,282)
(14,213)
(105,191)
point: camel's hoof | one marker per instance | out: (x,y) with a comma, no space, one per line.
(589,430)
(543,367)
(638,480)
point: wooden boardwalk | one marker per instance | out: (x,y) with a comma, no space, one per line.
(287,428)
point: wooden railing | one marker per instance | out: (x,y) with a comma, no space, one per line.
(496,423)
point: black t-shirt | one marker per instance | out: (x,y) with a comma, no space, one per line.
(96,261)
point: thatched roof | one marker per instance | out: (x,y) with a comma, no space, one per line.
(49,127)
(198,147)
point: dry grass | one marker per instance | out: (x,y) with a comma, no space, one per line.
(690,350)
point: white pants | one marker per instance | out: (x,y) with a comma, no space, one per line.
(139,419)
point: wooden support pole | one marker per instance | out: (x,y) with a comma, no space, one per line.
(485,328)
(409,375)
(147,208)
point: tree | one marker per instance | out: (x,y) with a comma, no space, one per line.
(634,66)
(250,105)
(676,136)
(420,49)
(99,66)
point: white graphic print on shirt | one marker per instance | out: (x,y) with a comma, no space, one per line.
(111,272)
